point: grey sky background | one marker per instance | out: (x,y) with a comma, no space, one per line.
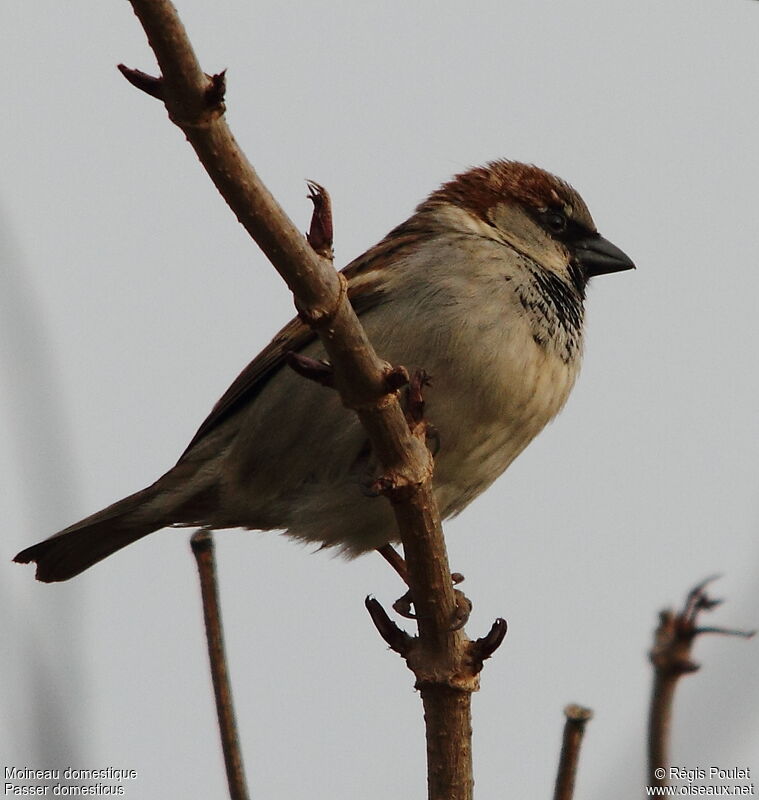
(131,298)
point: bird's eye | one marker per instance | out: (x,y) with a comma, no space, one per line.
(555,221)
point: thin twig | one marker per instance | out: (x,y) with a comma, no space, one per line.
(202,548)
(574,730)
(671,658)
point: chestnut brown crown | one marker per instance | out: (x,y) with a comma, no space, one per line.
(480,188)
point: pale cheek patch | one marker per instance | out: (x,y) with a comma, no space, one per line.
(519,230)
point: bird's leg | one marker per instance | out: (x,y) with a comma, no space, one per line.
(395,559)
(414,411)
(403,604)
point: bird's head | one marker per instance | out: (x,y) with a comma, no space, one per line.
(537,214)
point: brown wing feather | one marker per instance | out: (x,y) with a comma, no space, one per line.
(296,335)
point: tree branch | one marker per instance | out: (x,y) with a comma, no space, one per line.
(319,291)
(202,548)
(574,730)
(441,657)
(671,658)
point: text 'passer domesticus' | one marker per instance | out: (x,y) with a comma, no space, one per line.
(482,287)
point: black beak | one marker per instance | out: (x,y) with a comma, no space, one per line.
(598,256)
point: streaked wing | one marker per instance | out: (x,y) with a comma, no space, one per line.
(364,292)
(294,336)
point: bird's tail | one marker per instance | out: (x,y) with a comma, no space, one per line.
(83,544)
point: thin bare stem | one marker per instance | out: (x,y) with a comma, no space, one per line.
(671,658)
(574,729)
(202,548)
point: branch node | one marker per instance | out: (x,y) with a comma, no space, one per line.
(317,316)
(676,632)
(484,647)
(379,486)
(321,234)
(397,487)
(396,378)
(217,88)
(317,371)
(397,639)
(142,81)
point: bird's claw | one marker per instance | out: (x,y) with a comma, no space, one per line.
(402,606)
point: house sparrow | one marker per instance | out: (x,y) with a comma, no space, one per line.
(483,287)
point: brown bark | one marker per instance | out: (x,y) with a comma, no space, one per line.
(577,718)
(202,548)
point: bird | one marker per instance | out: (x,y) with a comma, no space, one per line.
(483,287)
